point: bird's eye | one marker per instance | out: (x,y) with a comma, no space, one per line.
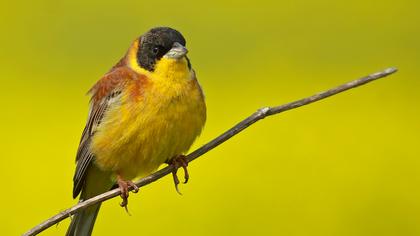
(155,50)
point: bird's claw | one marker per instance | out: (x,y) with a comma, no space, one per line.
(179,161)
(125,186)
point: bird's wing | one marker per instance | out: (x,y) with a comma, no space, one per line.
(105,93)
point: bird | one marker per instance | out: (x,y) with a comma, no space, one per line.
(147,110)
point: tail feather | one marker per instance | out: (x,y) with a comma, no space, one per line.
(97,182)
(83,222)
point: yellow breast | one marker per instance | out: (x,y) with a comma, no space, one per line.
(160,122)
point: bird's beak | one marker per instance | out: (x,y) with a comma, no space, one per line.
(177,51)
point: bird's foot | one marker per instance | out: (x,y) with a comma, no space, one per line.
(125,186)
(179,161)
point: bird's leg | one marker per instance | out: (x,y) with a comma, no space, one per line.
(124,186)
(179,161)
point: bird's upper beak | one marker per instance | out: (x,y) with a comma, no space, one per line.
(177,51)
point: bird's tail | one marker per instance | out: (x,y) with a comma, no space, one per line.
(83,222)
(97,182)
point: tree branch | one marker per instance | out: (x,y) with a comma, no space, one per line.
(258,115)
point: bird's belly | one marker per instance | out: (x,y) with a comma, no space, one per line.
(143,135)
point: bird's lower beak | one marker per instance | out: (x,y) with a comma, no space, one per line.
(177,51)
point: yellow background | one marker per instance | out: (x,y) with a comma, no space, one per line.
(348,165)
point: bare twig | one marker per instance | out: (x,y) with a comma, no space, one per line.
(258,115)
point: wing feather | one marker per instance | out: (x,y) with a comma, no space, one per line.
(105,93)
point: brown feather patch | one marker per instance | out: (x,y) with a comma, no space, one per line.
(120,78)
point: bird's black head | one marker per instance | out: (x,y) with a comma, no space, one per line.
(159,42)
